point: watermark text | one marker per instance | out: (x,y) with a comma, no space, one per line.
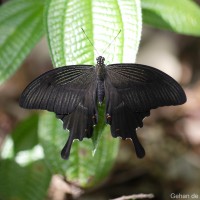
(184,196)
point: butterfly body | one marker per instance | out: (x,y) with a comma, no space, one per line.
(130,92)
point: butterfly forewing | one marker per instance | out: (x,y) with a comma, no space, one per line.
(143,88)
(59,90)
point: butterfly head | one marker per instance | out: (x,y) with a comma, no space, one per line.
(100,60)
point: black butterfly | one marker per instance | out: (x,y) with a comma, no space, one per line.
(130,90)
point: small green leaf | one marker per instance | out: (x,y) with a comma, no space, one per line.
(21,27)
(99,127)
(17,182)
(25,134)
(83,167)
(181,16)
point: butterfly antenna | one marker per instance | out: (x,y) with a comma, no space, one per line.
(90,41)
(111,42)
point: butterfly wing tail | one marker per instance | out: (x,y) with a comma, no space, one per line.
(140,152)
(66,149)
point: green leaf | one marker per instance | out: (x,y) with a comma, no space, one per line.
(22,183)
(68,45)
(83,167)
(181,16)
(21,27)
(25,134)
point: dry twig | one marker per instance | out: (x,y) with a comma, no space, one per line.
(135,196)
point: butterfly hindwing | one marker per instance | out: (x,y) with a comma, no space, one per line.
(122,120)
(132,90)
(81,121)
(59,90)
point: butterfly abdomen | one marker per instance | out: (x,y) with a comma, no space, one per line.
(100,91)
(100,83)
(101,73)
